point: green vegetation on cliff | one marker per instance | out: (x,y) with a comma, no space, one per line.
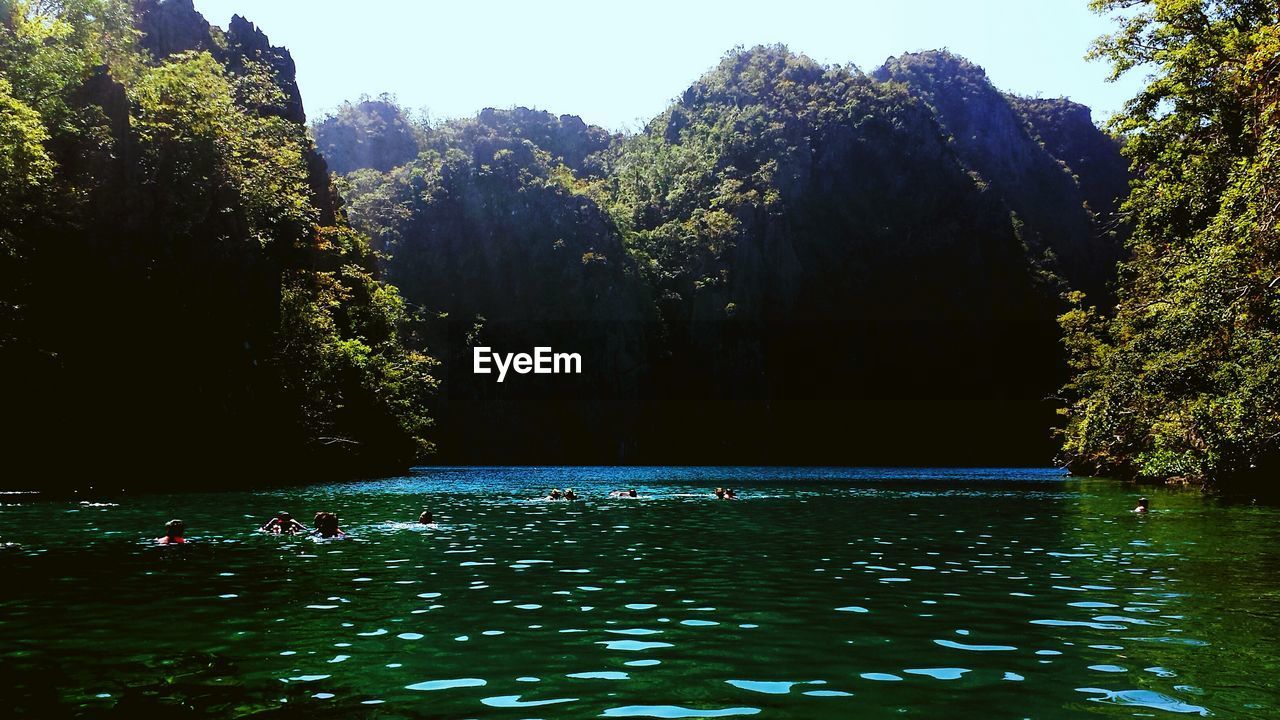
(993,138)
(493,235)
(833,283)
(181,293)
(1183,379)
(792,263)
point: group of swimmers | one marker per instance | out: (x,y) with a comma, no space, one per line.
(326,523)
(326,526)
(569,494)
(556,493)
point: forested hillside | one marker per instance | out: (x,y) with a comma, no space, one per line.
(492,234)
(182,293)
(793,263)
(1182,381)
(1047,184)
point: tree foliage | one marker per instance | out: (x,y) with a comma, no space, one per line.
(1183,380)
(497,238)
(180,281)
(792,262)
(370,134)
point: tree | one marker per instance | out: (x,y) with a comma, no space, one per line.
(177,278)
(1182,381)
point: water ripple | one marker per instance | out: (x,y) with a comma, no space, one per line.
(976,648)
(432,685)
(676,711)
(514,701)
(1146,699)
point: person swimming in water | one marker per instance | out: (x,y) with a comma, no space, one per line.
(624,493)
(720,493)
(327,526)
(425,518)
(1143,506)
(283,524)
(174,533)
(569,494)
(554,494)
(729,494)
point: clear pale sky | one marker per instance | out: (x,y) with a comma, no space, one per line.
(618,64)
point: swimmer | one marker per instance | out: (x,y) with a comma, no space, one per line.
(283,524)
(720,493)
(624,493)
(729,494)
(569,494)
(327,526)
(174,533)
(554,494)
(425,518)
(1143,506)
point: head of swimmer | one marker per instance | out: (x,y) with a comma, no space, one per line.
(326,523)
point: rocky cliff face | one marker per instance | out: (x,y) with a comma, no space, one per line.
(834,285)
(1067,132)
(793,263)
(248,46)
(504,252)
(169,27)
(190,291)
(994,140)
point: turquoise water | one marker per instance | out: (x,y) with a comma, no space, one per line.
(821,593)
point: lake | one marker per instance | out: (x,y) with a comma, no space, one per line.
(820,593)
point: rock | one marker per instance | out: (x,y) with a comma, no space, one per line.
(994,140)
(247,44)
(171,26)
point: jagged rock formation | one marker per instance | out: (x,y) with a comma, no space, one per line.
(835,285)
(510,255)
(993,139)
(1066,130)
(171,26)
(791,264)
(831,273)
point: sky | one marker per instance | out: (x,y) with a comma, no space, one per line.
(617,65)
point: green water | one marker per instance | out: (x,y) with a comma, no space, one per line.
(818,594)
